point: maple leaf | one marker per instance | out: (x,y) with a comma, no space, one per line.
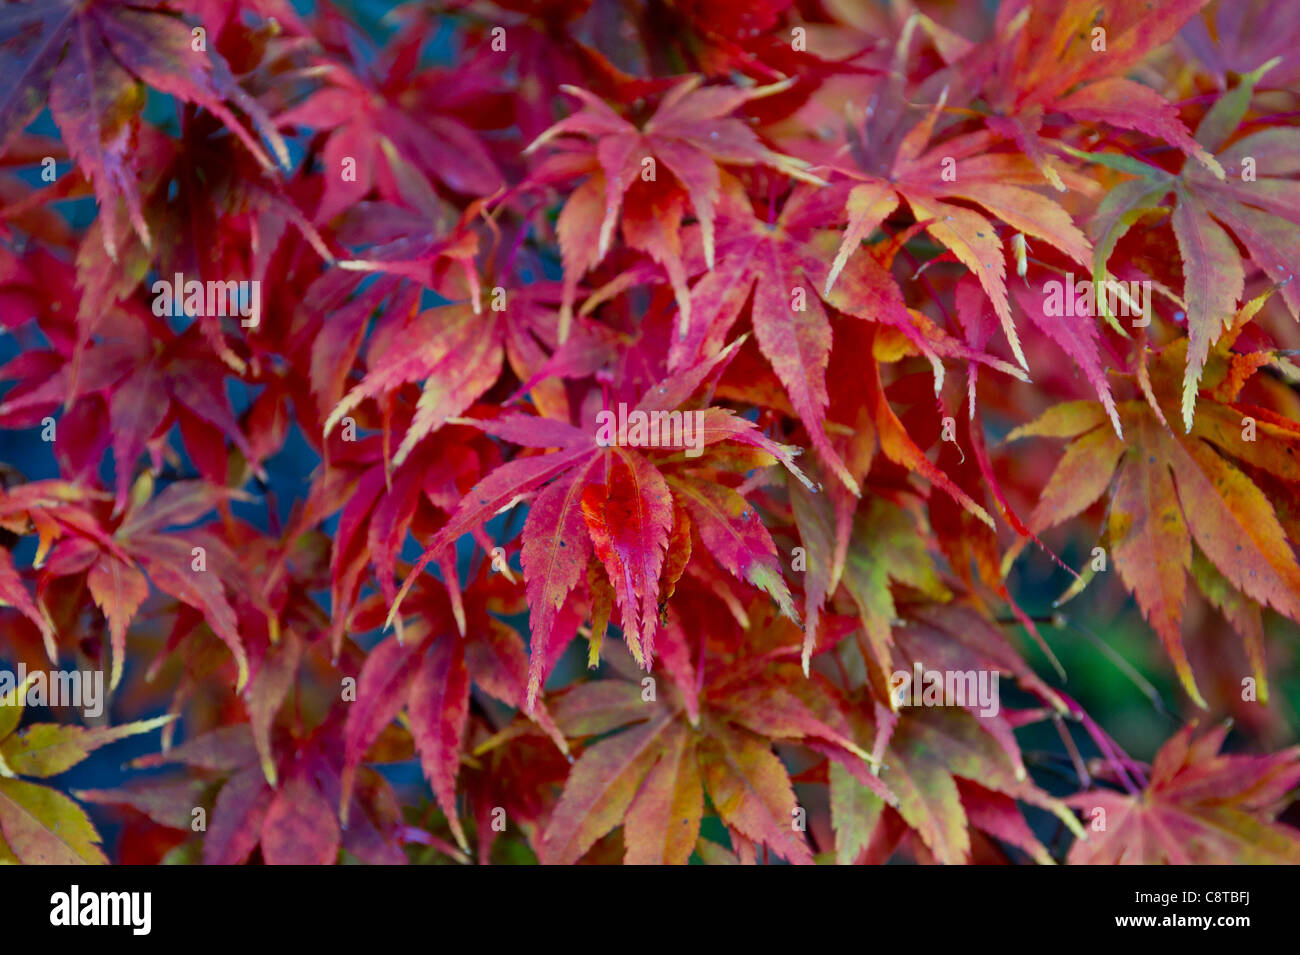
(610,501)
(1207,213)
(39,825)
(790,324)
(459,358)
(783,262)
(88,59)
(998,181)
(691,133)
(169,561)
(652,777)
(294,822)
(114,561)
(131,378)
(921,775)
(428,673)
(1064,56)
(1201,807)
(948,773)
(375,141)
(1228,40)
(461,354)
(378,505)
(951,770)
(1169,490)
